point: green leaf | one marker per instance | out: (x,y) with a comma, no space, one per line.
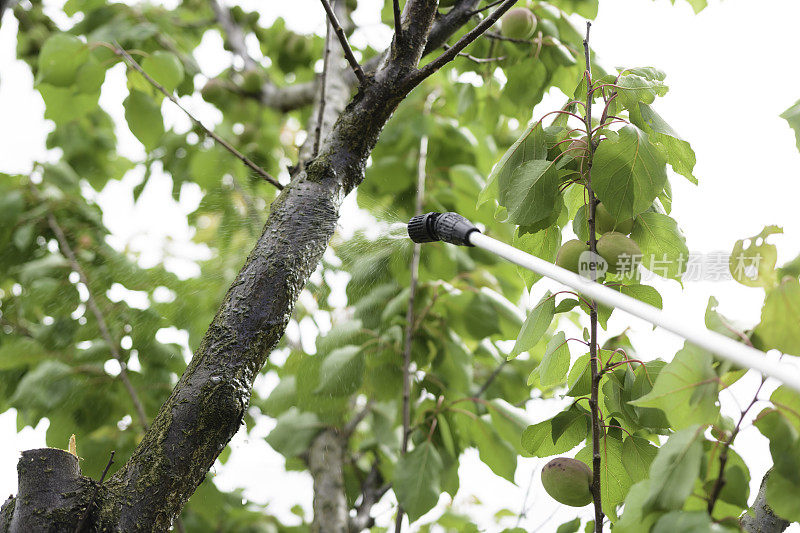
(635,519)
(417,480)
(685,522)
(754,265)
(686,389)
(787,401)
(557,435)
(530,193)
(543,244)
(60,58)
(282,397)
(678,152)
(569,527)
(555,363)
(144,118)
(783,482)
(675,469)
(628,173)
(664,250)
(64,104)
(165,68)
(792,116)
(637,456)
(510,422)
(614,479)
(44,389)
(779,318)
(341,372)
(531,145)
(535,325)
(640,85)
(293,432)
(494,451)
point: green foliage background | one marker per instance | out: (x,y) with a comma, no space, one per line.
(479,361)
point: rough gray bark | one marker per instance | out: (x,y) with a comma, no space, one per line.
(325,462)
(206,407)
(760,518)
(51,479)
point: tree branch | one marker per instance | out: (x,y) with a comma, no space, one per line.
(409,334)
(234,34)
(207,406)
(450,54)
(91,303)
(596,375)
(372,491)
(326,464)
(348,52)
(222,142)
(321,104)
(760,518)
(398,26)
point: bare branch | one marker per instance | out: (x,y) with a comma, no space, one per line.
(321,111)
(91,303)
(476,59)
(233,34)
(398,27)
(82,523)
(348,52)
(462,43)
(222,142)
(350,427)
(421,173)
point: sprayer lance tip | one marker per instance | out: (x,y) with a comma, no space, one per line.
(447,227)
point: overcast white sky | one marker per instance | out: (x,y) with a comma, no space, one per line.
(732,71)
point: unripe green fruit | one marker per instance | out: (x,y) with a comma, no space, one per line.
(518,23)
(579,148)
(570,253)
(213,91)
(604,222)
(568,481)
(619,251)
(252,82)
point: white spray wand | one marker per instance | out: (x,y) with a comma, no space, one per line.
(455,229)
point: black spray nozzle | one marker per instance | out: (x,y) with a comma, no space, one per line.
(447,227)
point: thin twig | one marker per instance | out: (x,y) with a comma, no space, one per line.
(98,315)
(323,78)
(82,523)
(596,375)
(476,59)
(225,144)
(350,427)
(348,52)
(491,378)
(398,25)
(719,483)
(421,164)
(447,56)
(484,8)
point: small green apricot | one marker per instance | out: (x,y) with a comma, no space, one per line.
(518,23)
(568,481)
(569,254)
(214,91)
(605,222)
(619,251)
